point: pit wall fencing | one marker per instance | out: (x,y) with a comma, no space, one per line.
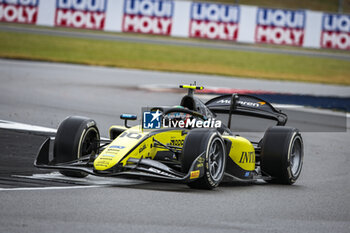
(237,23)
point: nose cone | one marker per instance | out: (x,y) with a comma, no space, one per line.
(116,151)
(110,157)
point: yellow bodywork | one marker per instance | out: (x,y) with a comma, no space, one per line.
(127,145)
(136,143)
(242,152)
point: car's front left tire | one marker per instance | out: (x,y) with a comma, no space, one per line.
(210,142)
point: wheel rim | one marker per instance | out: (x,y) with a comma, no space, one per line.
(216,159)
(88,142)
(296,156)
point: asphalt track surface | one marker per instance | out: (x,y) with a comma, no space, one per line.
(33,200)
(171,41)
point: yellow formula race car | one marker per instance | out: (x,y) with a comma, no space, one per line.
(186,143)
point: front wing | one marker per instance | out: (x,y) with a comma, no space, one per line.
(134,168)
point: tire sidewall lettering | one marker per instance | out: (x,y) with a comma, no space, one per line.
(91,125)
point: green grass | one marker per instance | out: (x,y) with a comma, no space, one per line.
(319,5)
(199,40)
(174,58)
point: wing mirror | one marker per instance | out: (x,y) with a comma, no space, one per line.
(127,117)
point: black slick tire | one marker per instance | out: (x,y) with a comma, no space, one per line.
(200,141)
(76,136)
(282,154)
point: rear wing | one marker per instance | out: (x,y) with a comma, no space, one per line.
(245,105)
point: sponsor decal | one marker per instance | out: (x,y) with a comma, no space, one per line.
(117,147)
(283,27)
(88,14)
(247,157)
(335,31)
(177,142)
(19,11)
(195,174)
(108,157)
(115,151)
(243,103)
(247,174)
(152,120)
(89,124)
(227,101)
(148,16)
(102,163)
(142,148)
(214,21)
(200,162)
(251,104)
(155,170)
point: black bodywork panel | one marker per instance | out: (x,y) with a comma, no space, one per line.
(246,105)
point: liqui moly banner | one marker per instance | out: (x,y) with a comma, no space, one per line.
(335,31)
(148,16)
(246,24)
(214,21)
(282,27)
(19,11)
(89,14)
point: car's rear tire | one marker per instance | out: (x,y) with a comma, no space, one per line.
(282,154)
(76,136)
(211,143)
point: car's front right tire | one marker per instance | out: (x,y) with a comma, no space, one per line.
(76,137)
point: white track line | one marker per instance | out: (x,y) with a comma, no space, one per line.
(51,188)
(25,127)
(89,180)
(29,128)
